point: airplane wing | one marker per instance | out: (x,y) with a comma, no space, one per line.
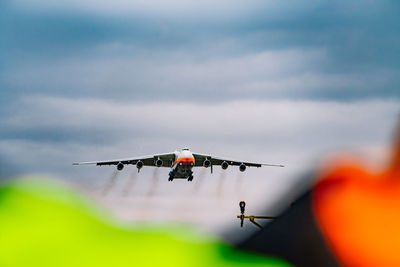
(200,158)
(167,160)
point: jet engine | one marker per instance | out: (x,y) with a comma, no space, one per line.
(242,167)
(224,165)
(139,165)
(206,163)
(120,166)
(158,162)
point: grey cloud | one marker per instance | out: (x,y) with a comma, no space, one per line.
(7,169)
(172,8)
(303,50)
(101,129)
(291,74)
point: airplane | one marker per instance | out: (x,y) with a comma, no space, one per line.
(180,162)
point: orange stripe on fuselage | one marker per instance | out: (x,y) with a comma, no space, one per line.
(184,161)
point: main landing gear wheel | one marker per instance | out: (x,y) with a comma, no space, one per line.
(171,177)
(190,178)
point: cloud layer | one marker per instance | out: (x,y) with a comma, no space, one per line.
(269,130)
(132,51)
(281,82)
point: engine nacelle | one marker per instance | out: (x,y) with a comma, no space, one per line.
(224,165)
(139,164)
(207,163)
(242,167)
(120,166)
(158,162)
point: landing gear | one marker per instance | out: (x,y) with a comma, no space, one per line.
(190,178)
(171,177)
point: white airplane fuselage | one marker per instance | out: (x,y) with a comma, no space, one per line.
(183,164)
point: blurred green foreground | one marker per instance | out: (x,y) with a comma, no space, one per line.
(43,223)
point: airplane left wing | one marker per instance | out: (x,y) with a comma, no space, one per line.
(166,158)
(201,158)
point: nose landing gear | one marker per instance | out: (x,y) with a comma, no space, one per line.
(190,178)
(171,176)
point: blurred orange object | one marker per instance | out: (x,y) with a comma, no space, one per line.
(358,212)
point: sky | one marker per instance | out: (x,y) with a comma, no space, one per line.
(286,82)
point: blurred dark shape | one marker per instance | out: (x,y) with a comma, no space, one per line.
(293,236)
(350,215)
